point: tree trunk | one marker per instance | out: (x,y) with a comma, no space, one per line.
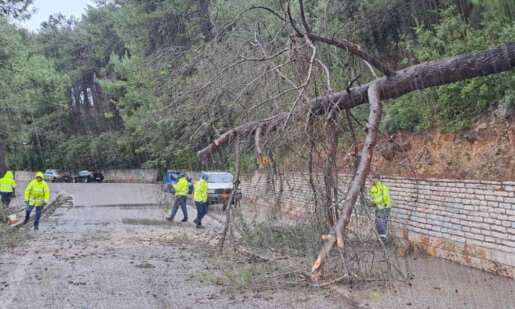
(416,77)
(208,28)
(3,165)
(358,182)
(236,184)
(329,170)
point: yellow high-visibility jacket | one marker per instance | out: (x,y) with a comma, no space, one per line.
(7,183)
(37,193)
(380,195)
(200,194)
(181,187)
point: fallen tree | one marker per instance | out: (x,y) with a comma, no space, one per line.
(416,77)
(393,85)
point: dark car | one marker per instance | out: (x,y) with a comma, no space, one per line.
(172,177)
(57,175)
(88,176)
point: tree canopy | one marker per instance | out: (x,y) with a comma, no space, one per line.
(148,83)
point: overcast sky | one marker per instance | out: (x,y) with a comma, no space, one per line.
(45,8)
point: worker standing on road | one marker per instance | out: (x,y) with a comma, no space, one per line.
(381,198)
(7,186)
(181,195)
(36,196)
(200,197)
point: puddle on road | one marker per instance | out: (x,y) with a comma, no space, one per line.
(97,223)
(145,266)
(153,222)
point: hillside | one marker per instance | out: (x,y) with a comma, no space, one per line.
(485,151)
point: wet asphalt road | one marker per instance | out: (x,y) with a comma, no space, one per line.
(110,247)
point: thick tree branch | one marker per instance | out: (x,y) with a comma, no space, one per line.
(303,16)
(416,77)
(355,50)
(257,140)
(357,183)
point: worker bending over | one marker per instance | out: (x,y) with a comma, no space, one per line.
(181,196)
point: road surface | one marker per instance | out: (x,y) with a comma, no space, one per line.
(110,247)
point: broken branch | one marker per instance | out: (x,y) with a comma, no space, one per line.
(416,77)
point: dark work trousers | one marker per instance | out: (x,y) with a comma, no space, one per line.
(180,200)
(201,212)
(382,221)
(38,214)
(6,198)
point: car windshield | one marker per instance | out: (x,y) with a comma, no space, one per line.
(84,173)
(220,178)
(49,171)
(173,175)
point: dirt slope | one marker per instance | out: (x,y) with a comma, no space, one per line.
(486,151)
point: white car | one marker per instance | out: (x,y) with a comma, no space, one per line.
(219,188)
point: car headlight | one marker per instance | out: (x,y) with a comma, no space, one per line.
(211,191)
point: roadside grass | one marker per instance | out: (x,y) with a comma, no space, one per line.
(9,236)
(234,274)
(293,240)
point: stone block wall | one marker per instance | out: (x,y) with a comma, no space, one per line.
(147,175)
(24,175)
(467,221)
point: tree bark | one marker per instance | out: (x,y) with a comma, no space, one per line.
(416,77)
(236,184)
(208,28)
(358,182)
(3,165)
(330,167)
(355,50)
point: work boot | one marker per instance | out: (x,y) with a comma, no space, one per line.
(200,226)
(170,218)
(36,228)
(383,239)
(195,221)
(184,220)
(25,221)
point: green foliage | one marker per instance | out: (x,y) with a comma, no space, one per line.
(32,100)
(453,107)
(135,83)
(17,9)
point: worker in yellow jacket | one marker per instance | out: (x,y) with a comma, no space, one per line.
(181,196)
(7,186)
(200,197)
(380,196)
(36,196)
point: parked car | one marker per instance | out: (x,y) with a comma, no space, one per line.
(172,177)
(219,188)
(57,175)
(88,176)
